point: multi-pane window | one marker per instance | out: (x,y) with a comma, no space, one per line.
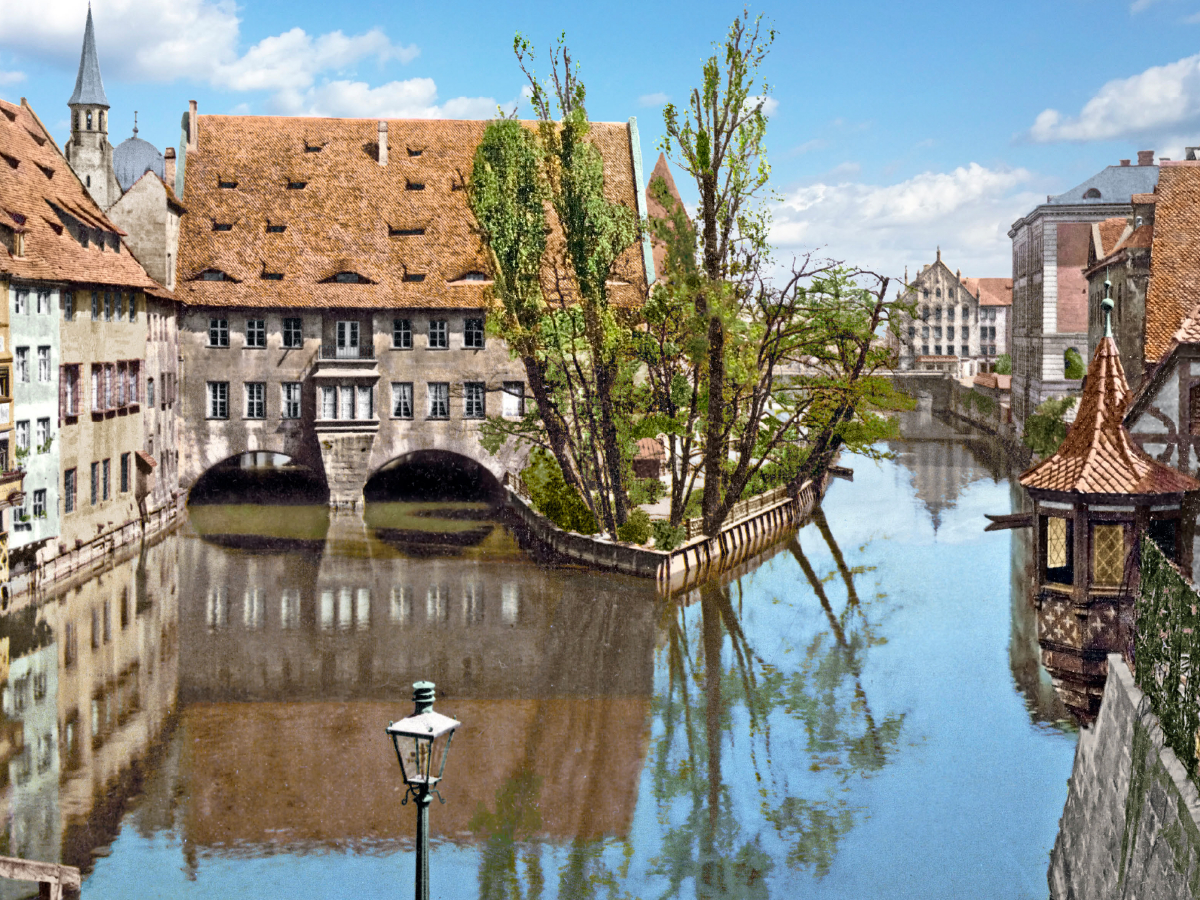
(346,401)
(346,339)
(965,333)
(95,305)
(69,490)
(108,305)
(950,332)
(439,400)
(402,399)
(1060,553)
(290,406)
(119,299)
(1108,554)
(124,472)
(401,334)
(97,388)
(292,336)
(218,399)
(106,479)
(966,351)
(43,435)
(513,399)
(328,403)
(39,503)
(218,332)
(439,337)
(23,435)
(256,333)
(256,400)
(132,308)
(150,391)
(21,302)
(473,334)
(365,402)
(122,383)
(69,305)
(21,364)
(69,391)
(474,400)
(95,483)
(43,303)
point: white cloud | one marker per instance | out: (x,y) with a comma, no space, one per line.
(414,98)
(11,77)
(1154,103)
(658,98)
(292,60)
(769,104)
(884,227)
(1138,5)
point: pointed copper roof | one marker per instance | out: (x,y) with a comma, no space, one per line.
(89,86)
(1097,456)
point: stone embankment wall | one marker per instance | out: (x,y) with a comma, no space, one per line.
(1131,825)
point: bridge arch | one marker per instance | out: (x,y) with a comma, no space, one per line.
(433,475)
(261,477)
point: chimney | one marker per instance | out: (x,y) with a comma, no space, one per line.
(1145,157)
(169,166)
(383,143)
(193,143)
(1124,162)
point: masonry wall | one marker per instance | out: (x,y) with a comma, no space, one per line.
(1131,824)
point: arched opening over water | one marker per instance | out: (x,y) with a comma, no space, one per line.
(259,477)
(432,476)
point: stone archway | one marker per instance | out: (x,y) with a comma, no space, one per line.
(432,475)
(260,477)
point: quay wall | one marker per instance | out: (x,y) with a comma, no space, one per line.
(1131,824)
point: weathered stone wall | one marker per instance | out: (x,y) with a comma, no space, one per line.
(1130,825)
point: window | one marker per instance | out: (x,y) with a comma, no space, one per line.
(292,335)
(965,333)
(22,365)
(256,333)
(365,406)
(95,305)
(69,305)
(1060,550)
(105,479)
(256,402)
(218,399)
(473,334)
(43,365)
(402,399)
(924,349)
(23,436)
(1091,194)
(346,401)
(39,503)
(218,332)
(1194,409)
(43,302)
(401,334)
(474,400)
(937,332)
(925,332)
(1108,555)
(513,399)
(5,390)
(346,339)
(21,303)
(132,308)
(937,349)
(97,389)
(43,435)
(328,403)
(120,300)
(290,406)
(912,332)
(966,351)
(438,336)
(150,391)
(950,332)
(439,400)
(69,490)
(950,314)
(122,380)
(937,314)
(108,301)
(124,473)
(95,483)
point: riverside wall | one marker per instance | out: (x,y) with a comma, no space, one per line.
(1131,824)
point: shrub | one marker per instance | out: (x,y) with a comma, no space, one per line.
(1003,364)
(552,498)
(1046,428)
(645,490)
(666,535)
(636,529)
(1073,366)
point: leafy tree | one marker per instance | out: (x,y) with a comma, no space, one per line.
(1073,366)
(1046,429)
(1003,364)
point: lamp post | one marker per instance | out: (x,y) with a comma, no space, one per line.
(422,743)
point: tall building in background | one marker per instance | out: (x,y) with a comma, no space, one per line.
(1050,300)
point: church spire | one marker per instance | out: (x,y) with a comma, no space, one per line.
(89,86)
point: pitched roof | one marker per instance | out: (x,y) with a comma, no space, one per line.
(89,86)
(1108,233)
(1174,276)
(1113,184)
(1144,198)
(990,291)
(656,210)
(404,226)
(40,194)
(994,380)
(1098,456)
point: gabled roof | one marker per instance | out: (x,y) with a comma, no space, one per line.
(1098,456)
(43,196)
(1174,274)
(656,210)
(990,291)
(89,86)
(350,208)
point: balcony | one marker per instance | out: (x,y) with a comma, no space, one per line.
(331,352)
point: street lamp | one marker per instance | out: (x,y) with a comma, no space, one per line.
(422,743)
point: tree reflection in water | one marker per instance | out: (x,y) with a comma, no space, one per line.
(715,843)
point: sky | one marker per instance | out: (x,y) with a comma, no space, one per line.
(894,128)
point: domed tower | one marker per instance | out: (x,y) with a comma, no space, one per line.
(88,151)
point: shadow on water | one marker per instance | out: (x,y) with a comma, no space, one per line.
(261,479)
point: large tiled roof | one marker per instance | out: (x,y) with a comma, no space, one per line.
(1174,274)
(1098,456)
(990,291)
(40,195)
(346,216)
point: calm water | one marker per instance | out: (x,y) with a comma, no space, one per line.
(862,714)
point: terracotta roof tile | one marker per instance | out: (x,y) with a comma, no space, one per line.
(1144,198)
(1098,456)
(1108,233)
(1174,273)
(44,190)
(990,291)
(350,212)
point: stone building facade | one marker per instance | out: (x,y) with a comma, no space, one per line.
(334,293)
(958,320)
(1050,301)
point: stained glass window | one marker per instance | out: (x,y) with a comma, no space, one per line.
(1108,554)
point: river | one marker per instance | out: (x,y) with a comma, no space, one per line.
(860,714)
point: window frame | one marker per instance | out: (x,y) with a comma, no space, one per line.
(254,394)
(512,392)
(474,337)
(125,479)
(438,335)
(437,392)
(474,400)
(256,334)
(399,397)
(218,333)
(217,396)
(289,405)
(70,488)
(402,334)
(293,332)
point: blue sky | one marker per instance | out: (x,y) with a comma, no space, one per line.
(894,127)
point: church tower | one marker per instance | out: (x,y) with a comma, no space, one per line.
(88,151)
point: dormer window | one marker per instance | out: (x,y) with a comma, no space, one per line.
(405,232)
(1091,194)
(348,278)
(222,226)
(39,139)
(297,185)
(412,151)
(414,185)
(271,276)
(11,160)
(226,184)
(275,228)
(213,275)
(474,277)
(313,148)
(46,170)
(414,276)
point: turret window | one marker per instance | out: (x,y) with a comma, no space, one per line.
(1060,552)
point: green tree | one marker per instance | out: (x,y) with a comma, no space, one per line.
(1046,429)
(1003,364)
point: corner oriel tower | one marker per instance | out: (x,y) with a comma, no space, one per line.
(89,152)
